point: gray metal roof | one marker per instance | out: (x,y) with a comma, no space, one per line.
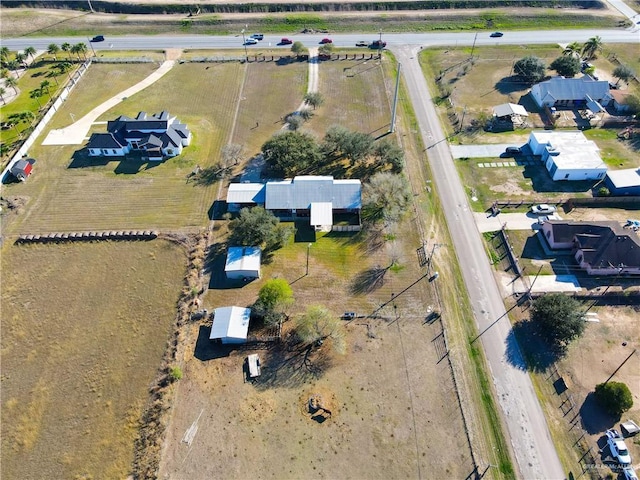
(246,193)
(300,192)
(561,88)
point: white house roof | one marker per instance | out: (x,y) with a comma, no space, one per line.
(560,88)
(246,193)
(321,213)
(629,177)
(570,150)
(242,259)
(509,109)
(230,322)
(302,191)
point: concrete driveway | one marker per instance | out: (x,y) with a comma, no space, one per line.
(514,221)
(480,151)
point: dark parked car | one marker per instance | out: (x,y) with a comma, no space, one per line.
(286,41)
(496,34)
(513,150)
(98,38)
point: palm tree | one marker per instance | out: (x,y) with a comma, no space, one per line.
(30,52)
(66,47)
(36,94)
(4,72)
(13,65)
(76,49)
(591,47)
(44,85)
(2,92)
(81,48)
(11,82)
(21,58)
(4,54)
(53,50)
(573,50)
(64,67)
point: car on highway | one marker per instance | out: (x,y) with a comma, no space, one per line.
(629,473)
(617,447)
(362,43)
(326,40)
(258,36)
(98,38)
(377,45)
(543,209)
(251,41)
(496,34)
(286,41)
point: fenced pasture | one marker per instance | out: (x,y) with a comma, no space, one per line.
(391,396)
(362,86)
(84,331)
(71,191)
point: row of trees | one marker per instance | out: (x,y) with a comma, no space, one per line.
(290,153)
(533,69)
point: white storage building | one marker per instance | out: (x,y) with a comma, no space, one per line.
(568,155)
(243,263)
(230,324)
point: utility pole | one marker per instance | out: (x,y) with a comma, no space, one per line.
(244,42)
(473,47)
(91,7)
(464,112)
(433,250)
(308,249)
(616,370)
(395,102)
(92,49)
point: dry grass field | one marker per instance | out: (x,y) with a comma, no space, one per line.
(393,403)
(84,330)
(359,84)
(74,192)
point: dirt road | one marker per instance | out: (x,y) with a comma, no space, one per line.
(526,425)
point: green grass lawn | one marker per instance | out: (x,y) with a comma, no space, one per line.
(71,191)
(617,154)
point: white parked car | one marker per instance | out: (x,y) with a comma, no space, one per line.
(543,209)
(629,473)
(617,447)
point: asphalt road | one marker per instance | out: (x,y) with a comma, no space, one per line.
(422,39)
(526,424)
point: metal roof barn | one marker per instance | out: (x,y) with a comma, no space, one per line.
(230,324)
(243,263)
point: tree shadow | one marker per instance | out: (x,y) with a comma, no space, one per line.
(292,364)
(210,175)
(594,418)
(368,281)
(512,84)
(206,350)
(527,349)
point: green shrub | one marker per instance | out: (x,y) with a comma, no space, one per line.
(175,374)
(603,192)
(614,397)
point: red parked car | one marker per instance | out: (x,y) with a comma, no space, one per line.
(286,41)
(326,40)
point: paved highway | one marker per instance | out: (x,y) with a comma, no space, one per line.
(421,39)
(527,428)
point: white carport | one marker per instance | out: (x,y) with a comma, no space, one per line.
(321,216)
(230,324)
